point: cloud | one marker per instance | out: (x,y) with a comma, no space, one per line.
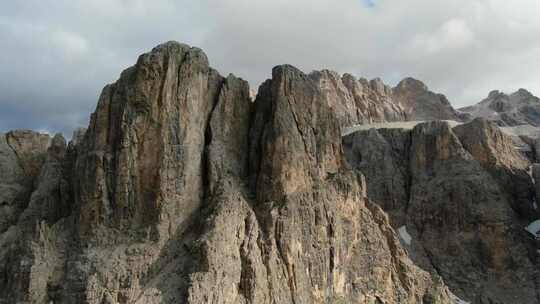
(57,55)
(452,35)
(71,44)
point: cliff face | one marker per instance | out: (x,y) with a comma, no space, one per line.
(22,154)
(141,161)
(359,101)
(183,190)
(422,104)
(460,197)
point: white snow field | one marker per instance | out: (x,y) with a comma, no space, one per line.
(404,235)
(534,228)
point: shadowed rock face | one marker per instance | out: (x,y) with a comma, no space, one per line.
(464,196)
(42,198)
(22,154)
(182,190)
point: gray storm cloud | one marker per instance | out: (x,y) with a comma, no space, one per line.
(57,55)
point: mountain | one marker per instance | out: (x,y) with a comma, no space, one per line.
(460,197)
(359,101)
(422,104)
(183,189)
(518,108)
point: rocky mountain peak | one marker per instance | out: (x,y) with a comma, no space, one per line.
(518,108)
(183,190)
(494,94)
(422,104)
(138,139)
(523,93)
(359,101)
(410,83)
(379,87)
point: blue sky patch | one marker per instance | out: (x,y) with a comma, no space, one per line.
(369,3)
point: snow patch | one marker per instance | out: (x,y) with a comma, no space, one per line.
(533,181)
(404,235)
(534,228)
(522,130)
(406,125)
(515,131)
(457,300)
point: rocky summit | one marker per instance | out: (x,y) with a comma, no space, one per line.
(518,108)
(359,101)
(185,189)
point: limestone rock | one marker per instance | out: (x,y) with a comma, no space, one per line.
(185,190)
(32,249)
(359,101)
(141,161)
(496,152)
(454,189)
(11,184)
(422,104)
(30,148)
(389,180)
(300,232)
(22,154)
(182,190)
(518,108)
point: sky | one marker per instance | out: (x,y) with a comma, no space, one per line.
(56,55)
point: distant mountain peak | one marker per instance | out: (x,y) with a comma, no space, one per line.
(494,94)
(518,108)
(523,93)
(411,83)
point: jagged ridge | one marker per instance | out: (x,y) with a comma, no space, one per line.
(182,190)
(464,195)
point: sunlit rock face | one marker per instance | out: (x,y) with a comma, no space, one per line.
(359,101)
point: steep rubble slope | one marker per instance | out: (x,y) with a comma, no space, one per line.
(518,108)
(184,191)
(461,197)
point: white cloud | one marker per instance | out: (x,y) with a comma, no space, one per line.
(71,44)
(452,35)
(58,54)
